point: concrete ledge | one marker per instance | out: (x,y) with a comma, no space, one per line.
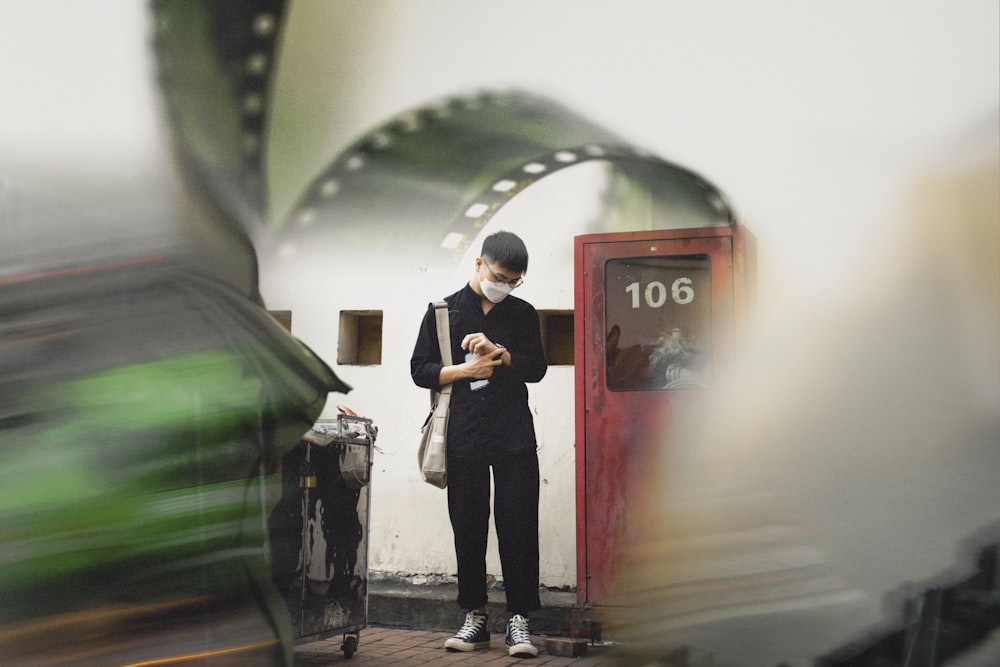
(402,603)
(566,647)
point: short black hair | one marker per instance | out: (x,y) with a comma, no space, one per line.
(507,250)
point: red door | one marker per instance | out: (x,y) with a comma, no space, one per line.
(655,314)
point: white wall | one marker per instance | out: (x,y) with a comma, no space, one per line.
(410,533)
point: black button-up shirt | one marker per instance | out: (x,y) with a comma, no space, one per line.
(495,419)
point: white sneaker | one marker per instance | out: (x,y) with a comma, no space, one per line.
(519,639)
(474,633)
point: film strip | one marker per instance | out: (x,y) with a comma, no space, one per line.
(431,177)
(435,176)
(215,65)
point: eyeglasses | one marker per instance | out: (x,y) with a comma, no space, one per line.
(512,282)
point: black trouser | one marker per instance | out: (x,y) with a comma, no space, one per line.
(515,513)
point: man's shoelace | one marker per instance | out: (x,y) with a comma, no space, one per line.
(519,631)
(470,629)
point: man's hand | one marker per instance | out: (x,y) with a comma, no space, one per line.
(480,366)
(479,344)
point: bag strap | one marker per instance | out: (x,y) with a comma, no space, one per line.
(444,337)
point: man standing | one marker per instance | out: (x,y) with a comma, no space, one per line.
(490,425)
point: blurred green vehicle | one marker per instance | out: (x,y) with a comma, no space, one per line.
(144,407)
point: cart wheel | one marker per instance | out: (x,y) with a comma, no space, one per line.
(350,645)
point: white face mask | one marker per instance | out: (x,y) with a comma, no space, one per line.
(495,292)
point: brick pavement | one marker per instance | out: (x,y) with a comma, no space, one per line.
(409,648)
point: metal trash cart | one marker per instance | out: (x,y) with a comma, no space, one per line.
(319,530)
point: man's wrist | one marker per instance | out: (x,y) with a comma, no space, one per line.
(504,354)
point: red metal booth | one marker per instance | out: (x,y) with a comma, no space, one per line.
(656,317)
